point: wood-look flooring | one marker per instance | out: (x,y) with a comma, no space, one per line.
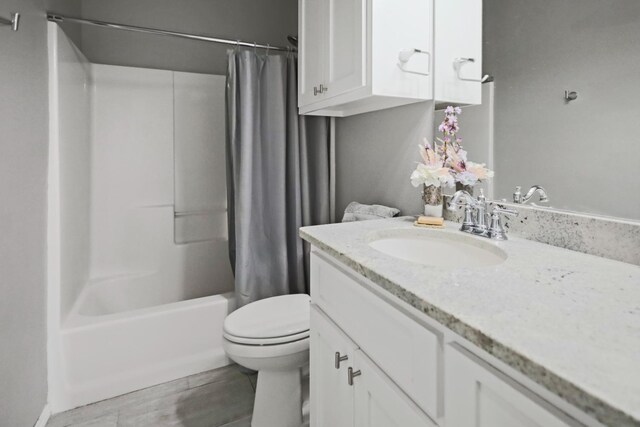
(219,398)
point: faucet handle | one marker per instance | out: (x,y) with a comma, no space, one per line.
(510,212)
(458,197)
(496,231)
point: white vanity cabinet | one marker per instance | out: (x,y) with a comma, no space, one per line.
(331,353)
(348,389)
(458,52)
(479,395)
(349,55)
(376,361)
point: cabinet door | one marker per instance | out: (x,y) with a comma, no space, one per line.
(478,395)
(331,397)
(402,26)
(409,352)
(312,19)
(346,46)
(379,402)
(458,34)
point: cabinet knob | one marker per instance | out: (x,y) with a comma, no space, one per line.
(338,359)
(351,375)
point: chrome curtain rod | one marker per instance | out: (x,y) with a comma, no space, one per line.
(60,18)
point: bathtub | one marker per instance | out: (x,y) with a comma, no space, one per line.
(120,337)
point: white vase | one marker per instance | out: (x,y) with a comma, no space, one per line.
(434,211)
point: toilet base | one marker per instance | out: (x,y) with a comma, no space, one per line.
(278,401)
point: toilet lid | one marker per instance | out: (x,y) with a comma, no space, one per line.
(276,317)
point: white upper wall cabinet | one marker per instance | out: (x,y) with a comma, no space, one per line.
(311,47)
(346,47)
(349,55)
(458,52)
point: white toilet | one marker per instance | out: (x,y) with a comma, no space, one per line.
(271,336)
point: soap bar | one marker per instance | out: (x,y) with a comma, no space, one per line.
(430,220)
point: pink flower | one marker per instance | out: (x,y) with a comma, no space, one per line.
(453,160)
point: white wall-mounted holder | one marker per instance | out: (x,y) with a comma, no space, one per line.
(405,55)
(457,65)
(14,22)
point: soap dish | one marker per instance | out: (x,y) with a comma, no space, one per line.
(416,224)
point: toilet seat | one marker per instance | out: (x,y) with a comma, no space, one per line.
(267,341)
(271,321)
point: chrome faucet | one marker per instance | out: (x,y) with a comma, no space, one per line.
(476,216)
(481,228)
(520,199)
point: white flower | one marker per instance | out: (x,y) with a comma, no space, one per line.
(431,175)
(466,178)
(479,170)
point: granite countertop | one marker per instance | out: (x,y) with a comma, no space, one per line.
(567,320)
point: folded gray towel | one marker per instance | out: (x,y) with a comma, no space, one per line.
(358,212)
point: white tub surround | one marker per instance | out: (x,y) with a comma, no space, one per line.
(564,322)
(139,274)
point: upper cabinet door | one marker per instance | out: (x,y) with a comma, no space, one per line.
(458,51)
(346,51)
(353,66)
(402,27)
(379,402)
(312,18)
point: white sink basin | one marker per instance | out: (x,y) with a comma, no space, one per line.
(437,248)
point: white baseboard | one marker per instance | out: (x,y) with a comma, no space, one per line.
(44,417)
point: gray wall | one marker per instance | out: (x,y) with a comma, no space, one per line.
(262,21)
(586,152)
(23,190)
(375,155)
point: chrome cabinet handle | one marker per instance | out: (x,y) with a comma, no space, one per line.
(316,91)
(323,88)
(351,375)
(339,359)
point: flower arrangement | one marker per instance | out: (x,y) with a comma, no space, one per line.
(445,162)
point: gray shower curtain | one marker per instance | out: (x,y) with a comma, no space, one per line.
(277,175)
